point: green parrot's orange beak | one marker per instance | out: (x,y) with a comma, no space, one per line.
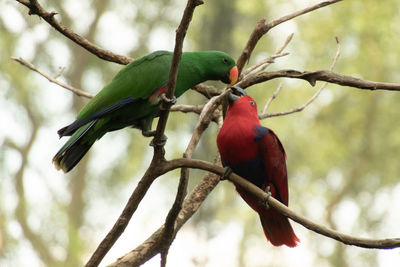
(233,76)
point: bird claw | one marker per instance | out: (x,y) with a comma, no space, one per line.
(148,133)
(267,197)
(227,172)
(171,101)
(162,142)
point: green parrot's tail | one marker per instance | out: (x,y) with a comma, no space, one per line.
(74,149)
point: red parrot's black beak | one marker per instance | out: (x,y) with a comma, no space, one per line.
(235,94)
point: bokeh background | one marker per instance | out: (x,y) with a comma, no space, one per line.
(343,150)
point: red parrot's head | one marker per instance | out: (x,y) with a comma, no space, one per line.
(241,104)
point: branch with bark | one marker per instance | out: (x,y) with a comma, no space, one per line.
(36,9)
(30,66)
(263,196)
(321,75)
(192,203)
(309,101)
(263,28)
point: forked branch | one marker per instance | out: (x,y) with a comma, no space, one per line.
(309,101)
(192,203)
(262,28)
(262,196)
(36,9)
(30,66)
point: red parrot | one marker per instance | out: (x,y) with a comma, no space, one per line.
(255,153)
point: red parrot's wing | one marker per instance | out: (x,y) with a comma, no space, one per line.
(274,157)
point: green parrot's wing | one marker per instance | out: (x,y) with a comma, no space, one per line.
(137,80)
(70,129)
(134,83)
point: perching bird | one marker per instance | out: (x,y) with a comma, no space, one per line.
(255,153)
(132,98)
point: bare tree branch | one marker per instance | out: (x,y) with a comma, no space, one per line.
(191,204)
(187,108)
(142,253)
(322,75)
(262,28)
(253,189)
(269,101)
(266,62)
(206,90)
(298,109)
(36,9)
(30,66)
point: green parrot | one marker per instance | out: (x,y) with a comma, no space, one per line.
(132,98)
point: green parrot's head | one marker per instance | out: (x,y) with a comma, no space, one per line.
(217,65)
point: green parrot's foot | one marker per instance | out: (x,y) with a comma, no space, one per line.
(148,133)
(227,172)
(166,100)
(162,142)
(267,197)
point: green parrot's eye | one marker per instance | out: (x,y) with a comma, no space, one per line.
(225,60)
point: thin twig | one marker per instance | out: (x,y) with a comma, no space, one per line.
(316,94)
(36,9)
(273,96)
(285,44)
(60,72)
(266,62)
(261,29)
(262,65)
(30,66)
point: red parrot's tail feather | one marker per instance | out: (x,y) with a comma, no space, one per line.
(277,228)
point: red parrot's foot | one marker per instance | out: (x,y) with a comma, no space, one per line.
(227,172)
(265,202)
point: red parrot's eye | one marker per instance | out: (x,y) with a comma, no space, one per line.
(251,102)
